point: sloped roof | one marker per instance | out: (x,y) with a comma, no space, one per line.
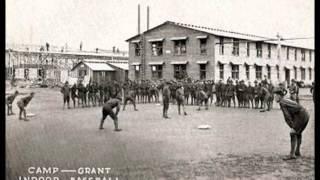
(99,66)
(224,33)
(124,66)
(95,66)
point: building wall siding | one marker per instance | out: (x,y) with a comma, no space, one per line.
(168,31)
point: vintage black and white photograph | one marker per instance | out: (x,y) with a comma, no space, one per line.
(160,90)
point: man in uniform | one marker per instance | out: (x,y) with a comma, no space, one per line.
(107,109)
(250,93)
(22,104)
(202,97)
(218,93)
(90,93)
(266,96)
(129,95)
(9,101)
(74,94)
(65,90)
(256,94)
(297,119)
(229,92)
(180,98)
(166,99)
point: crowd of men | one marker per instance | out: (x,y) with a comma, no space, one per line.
(232,93)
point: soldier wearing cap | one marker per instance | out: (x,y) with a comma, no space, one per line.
(180,99)
(296,118)
(22,104)
(266,97)
(65,90)
(218,93)
(256,93)
(107,111)
(166,99)
(250,94)
(9,101)
(230,89)
(74,94)
(129,95)
(202,98)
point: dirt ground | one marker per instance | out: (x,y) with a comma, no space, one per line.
(242,143)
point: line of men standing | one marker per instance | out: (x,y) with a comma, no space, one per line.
(90,95)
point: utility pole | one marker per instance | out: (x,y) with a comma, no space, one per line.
(279,46)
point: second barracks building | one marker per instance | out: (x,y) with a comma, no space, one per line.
(205,53)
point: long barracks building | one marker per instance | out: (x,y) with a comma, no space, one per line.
(170,49)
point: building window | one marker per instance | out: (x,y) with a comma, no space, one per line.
(248,49)
(310,73)
(278,72)
(235,49)
(221,45)
(203,71)
(180,47)
(310,55)
(269,72)
(82,72)
(156,71)
(156,48)
(303,74)
(258,72)
(259,49)
(303,55)
(180,71)
(288,52)
(137,71)
(203,46)
(295,54)
(269,51)
(247,71)
(295,72)
(137,49)
(26,74)
(221,71)
(235,71)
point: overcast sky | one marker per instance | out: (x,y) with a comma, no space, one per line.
(107,23)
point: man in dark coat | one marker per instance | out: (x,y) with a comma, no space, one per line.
(180,99)
(22,104)
(74,94)
(9,101)
(107,111)
(65,90)
(296,118)
(166,99)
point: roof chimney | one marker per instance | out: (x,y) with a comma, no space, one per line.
(138,18)
(148,17)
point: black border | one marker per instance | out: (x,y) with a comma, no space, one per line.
(2,76)
(316,103)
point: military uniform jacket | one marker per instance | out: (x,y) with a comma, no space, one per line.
(26,100)
(166,93)
(180,94)
(65,90)
(230,90)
